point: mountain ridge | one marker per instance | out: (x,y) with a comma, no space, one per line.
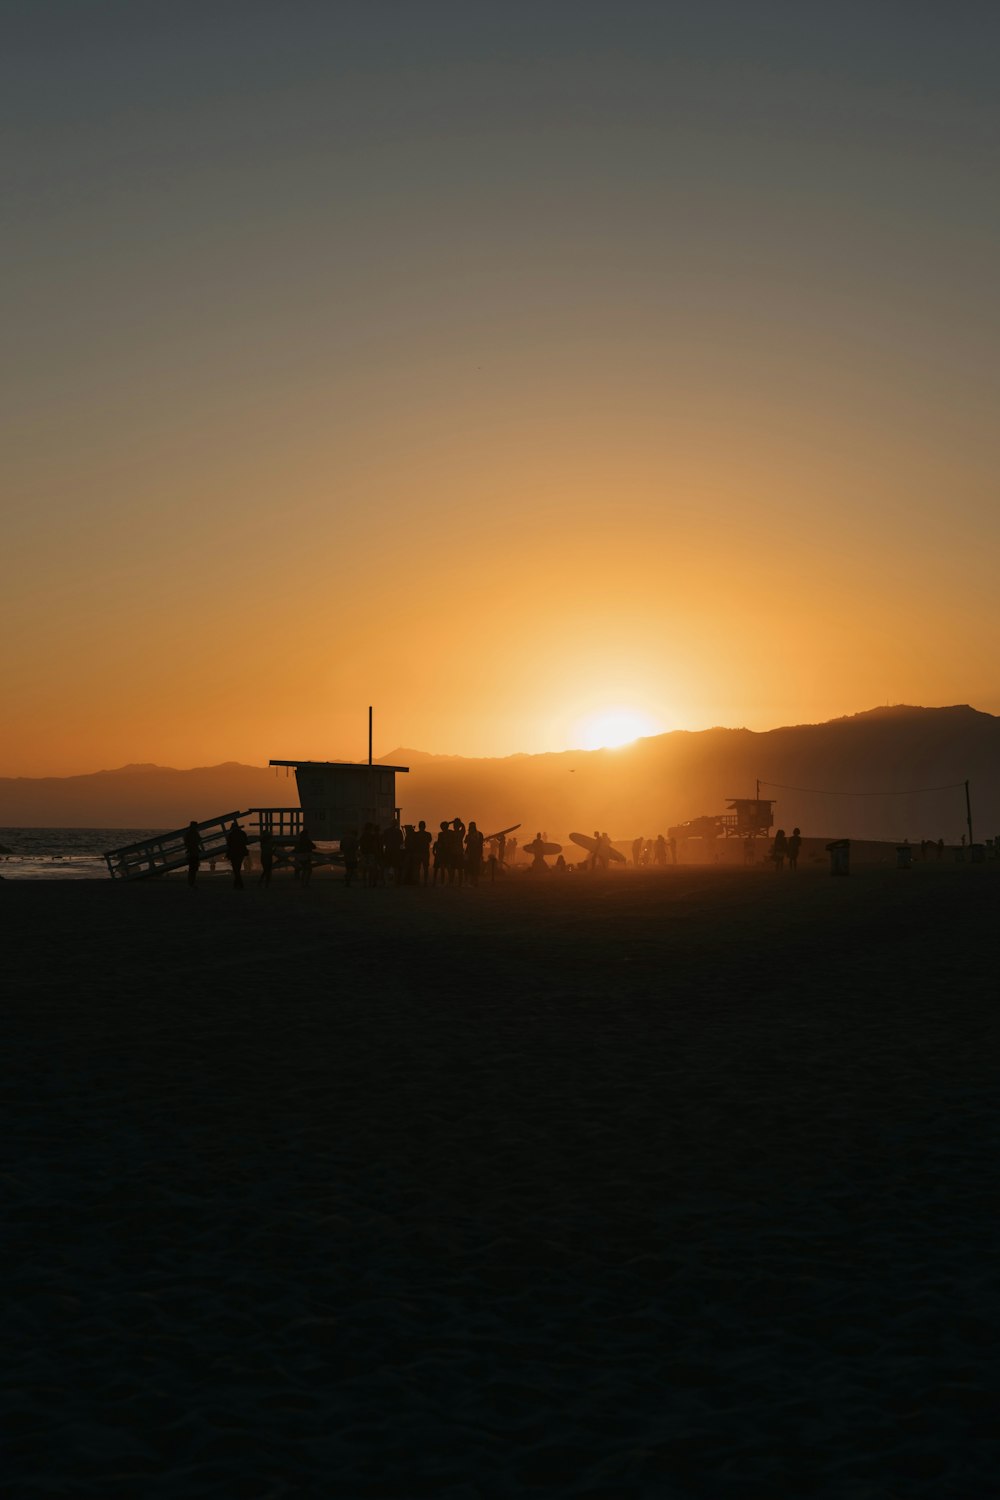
(883,773)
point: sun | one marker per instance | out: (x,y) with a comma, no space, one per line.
(615,726)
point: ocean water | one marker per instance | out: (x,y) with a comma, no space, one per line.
(63,853)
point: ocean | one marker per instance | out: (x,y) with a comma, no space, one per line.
(63,853)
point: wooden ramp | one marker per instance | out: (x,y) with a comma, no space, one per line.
(166,852)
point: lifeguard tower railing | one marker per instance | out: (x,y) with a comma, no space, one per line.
(166,852)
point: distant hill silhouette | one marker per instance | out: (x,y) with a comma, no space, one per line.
(641,788)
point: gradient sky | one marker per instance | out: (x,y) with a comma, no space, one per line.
(497,364)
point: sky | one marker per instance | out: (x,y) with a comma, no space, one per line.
(529,371)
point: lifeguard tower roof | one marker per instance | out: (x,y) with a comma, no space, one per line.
(337,796)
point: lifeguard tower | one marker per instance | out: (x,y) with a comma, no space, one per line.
(748,817)
(338,795)
(335,796)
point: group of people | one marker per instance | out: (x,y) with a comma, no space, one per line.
(455,855)
(237,852)
(407,855)
(786,846)
(653,851)
(414,855)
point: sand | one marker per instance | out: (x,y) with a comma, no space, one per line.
(659,1184)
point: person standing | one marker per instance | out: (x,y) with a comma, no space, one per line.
(473,853)
(192,848)
(237,844)
(422,840)
(442,853)
(779,849)
(266,856)
(794,845)
(392,852)
(303,853)
(457,851)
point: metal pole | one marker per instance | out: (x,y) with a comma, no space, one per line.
(369,734)
(968,813)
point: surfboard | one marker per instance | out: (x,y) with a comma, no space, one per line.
(537,847)
(502,833)
(590,844)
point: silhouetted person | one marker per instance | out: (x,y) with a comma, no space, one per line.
(779,849)
(392,852)
(442,853)
(561,864)
(192,848)
(266,856)
(422,840)
(304,847)
(940,848)
(457,868)
(349,854)
(794,845)
(637,847)
(473,853)
(660,851)
(236,852)
(535,849)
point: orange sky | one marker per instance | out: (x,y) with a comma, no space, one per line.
(498,380)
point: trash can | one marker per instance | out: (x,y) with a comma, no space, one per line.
(904,856)
(840,856)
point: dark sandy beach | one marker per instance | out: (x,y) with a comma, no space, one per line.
(657,1184)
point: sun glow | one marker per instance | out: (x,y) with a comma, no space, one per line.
(615,726)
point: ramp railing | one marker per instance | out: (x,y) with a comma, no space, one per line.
(165,852)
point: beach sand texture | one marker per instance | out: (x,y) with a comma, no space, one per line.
(655,1184)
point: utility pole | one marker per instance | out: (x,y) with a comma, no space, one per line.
(968,813)
(368,778)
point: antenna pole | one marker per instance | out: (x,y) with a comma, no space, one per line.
(758,788)
(968,813)
(369,734)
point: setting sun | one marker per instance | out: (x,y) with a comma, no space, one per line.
(614,727)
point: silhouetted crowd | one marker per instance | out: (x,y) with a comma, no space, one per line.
(653,851)
(413,855)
